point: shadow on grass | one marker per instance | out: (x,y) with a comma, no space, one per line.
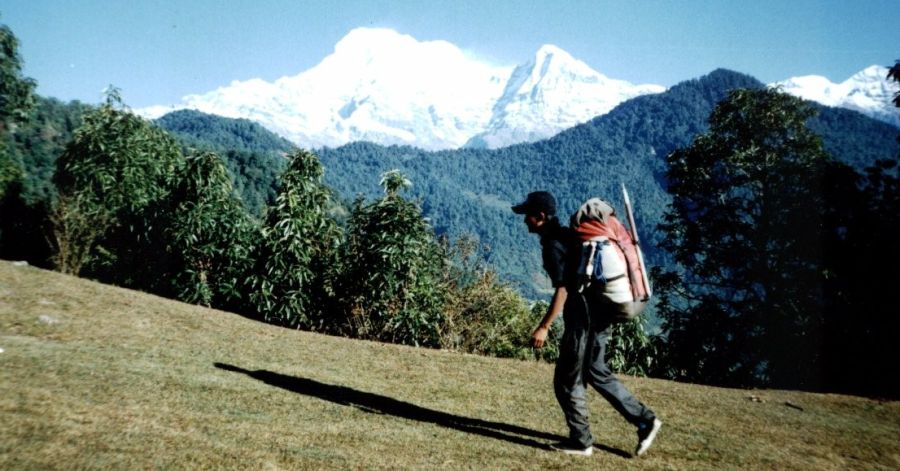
(379,404)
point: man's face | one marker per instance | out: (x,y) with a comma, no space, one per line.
(535,222)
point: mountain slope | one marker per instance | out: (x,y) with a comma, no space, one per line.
(625,146)
(93,376)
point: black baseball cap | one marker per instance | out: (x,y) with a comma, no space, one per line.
(537,202)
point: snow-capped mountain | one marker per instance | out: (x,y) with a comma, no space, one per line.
(389,88)
(382,86)
(868,91)
(552,92)
(379,86)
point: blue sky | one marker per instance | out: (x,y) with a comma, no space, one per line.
(158,51)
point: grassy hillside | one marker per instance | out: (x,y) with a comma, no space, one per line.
(98,377)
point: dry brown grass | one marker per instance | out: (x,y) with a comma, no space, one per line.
(98,377)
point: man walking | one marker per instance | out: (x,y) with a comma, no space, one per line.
(583,348)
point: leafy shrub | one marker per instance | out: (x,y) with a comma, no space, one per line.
(486,316)
(291,285)
(631,350)
(117,166)
(209,234)
(391,271)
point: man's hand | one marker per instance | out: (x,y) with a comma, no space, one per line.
(539,337)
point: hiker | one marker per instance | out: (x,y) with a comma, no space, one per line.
(587,326)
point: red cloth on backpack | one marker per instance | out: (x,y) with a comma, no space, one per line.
(613,230)
(616,232)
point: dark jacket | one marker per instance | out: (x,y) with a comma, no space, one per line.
(556,251)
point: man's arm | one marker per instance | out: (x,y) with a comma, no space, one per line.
(556,306)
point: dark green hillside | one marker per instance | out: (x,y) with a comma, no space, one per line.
(199,129)
(252,154)
(33,146)
(853,138)
(37,143)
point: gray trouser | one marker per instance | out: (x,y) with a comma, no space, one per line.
(581,362)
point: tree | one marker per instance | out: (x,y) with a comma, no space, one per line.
(25,207)
(16,102)
(209,234)
(390,281)
(744,305)
(863,223)
(117,166)
(297,254)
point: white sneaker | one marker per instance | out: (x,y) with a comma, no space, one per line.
(646,435)
(572,449)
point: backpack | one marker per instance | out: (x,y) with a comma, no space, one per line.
(611,269)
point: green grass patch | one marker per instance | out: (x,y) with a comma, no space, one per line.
(93,376)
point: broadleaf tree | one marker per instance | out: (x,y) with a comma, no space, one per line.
(743,307)
(297,252)
(118,166)
(864,225)
(16,103)
(391,270)
(209,235)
